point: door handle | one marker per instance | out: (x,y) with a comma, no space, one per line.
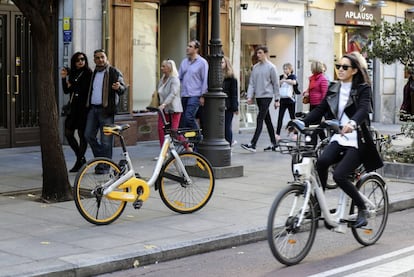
(8,85)
(17,90)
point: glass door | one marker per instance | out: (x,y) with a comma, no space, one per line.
(18,101)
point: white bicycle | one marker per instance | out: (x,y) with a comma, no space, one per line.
(185,180)
(295,213)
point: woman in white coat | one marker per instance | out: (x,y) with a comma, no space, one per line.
(170,98)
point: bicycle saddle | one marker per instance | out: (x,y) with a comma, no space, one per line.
(114,129)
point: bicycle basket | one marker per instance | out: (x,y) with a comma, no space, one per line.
(292,147)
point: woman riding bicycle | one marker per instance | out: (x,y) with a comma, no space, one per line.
(348,101)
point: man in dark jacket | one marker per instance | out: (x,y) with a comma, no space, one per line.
(106,86)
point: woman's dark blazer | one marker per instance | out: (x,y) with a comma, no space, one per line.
(357,109)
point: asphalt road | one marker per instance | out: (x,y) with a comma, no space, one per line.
(331,251)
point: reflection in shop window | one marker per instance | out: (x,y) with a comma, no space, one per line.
(7,2)
(194,22)
(145,54)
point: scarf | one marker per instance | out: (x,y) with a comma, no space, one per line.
(105,85)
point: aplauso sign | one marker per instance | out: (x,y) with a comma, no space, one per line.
(360,15)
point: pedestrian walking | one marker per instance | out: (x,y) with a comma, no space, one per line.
(263,86)
(170,100)
(106,87)
(407,106)
(75,82)
(193,74)
(230,88)
(287,98)
(318,85)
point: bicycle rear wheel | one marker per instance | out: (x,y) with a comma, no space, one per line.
(186,196)
(88,192)
(289,241)
(374,189)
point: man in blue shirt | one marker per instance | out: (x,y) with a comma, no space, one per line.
(193,75)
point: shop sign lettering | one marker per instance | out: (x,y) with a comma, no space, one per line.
(356,14)
(359,15)
(270,12)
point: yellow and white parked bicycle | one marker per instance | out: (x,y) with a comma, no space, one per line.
(184,180)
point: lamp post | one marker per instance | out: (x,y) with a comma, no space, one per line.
(214,147)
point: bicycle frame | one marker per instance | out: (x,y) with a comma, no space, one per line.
(305,172)
(135,188)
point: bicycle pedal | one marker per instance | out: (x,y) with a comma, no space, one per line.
(137,204)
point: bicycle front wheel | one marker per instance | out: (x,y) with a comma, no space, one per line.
(373,188)
(184,195)
(92,179)
(290,240)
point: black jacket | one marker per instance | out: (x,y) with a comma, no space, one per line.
(357,108)
(230,88)
(113,95)
(78,92)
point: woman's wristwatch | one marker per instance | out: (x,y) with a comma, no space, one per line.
(353,124)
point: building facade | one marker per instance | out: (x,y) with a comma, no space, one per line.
(302,31)
(138,35)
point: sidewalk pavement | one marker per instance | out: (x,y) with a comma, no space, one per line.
(54,240)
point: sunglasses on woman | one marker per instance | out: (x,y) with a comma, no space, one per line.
(344,66)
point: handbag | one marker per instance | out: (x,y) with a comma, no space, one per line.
(155,100)
(305,100)
(66,109)
(286,91)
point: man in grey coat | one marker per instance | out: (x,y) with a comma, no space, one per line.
(264,86)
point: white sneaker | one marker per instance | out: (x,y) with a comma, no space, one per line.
(233,143)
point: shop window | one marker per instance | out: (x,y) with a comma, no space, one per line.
(145,53)
(194,22)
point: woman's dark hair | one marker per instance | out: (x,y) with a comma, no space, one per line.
(73,71)
(361,77)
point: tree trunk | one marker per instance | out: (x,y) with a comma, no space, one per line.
(43,17)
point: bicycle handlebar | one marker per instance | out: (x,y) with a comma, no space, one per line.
(160,113)
(299,125)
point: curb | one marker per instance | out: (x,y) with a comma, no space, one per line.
(186,249)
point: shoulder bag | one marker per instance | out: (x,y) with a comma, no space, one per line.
(66,109)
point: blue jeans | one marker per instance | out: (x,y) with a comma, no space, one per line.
(95,121)
(190,108)
(228,120)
